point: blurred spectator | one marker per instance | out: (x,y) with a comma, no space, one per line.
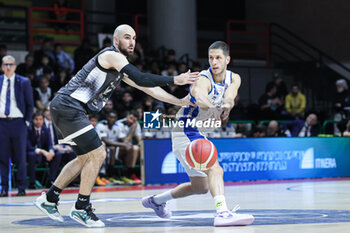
(196,67)
(270,105)
(117,95)
(43,68)
(149,104)
(139,109)
(102,115)
(111,133)
(131,132)
(302,128)
(238,111)
(43,94)
(227,130)
(61,79)
(295,103)
(62,59)
(67,152)
(107,42)
(126,105)
(154,67)
(274,130)
(27,66)
(244,129)
(40,149)
(259,131)
(281,87)
(45,50)
(346,133)
(171,112)
(170,57)
(93,118)
(82,54)
(170,70)
(340,99)
(182,68)
(16,109)
(31,76)
(139,52)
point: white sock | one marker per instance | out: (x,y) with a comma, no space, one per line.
(163,197)
(220,203)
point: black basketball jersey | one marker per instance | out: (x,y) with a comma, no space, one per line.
(93,85)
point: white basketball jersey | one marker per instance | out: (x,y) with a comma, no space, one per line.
(217,91)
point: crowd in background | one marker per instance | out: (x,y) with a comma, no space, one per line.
(281,111)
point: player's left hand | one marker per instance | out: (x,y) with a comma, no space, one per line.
(226,108)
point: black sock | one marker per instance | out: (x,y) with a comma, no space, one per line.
(53,194)
(82,201)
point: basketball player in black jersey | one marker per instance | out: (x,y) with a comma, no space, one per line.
(87,92)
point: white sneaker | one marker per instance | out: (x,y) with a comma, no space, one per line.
(48,208)
(86,217)
(230,218)
(161,210)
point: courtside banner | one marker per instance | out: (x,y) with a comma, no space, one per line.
(257,159)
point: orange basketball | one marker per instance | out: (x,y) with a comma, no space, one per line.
(201,154)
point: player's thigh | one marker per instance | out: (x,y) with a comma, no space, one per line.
(180,143)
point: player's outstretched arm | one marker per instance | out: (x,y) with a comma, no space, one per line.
(200,91)
(119,62)
(159,93)
(230,95)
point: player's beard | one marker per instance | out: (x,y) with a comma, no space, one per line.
(125,52)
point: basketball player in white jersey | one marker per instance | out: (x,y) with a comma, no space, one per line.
(212,96)
(87,92)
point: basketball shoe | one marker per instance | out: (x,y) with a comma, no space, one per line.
(161,210)
(231,218)
(86,217)
(48,208)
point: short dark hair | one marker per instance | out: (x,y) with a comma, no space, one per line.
(220,45)
(38,113)
(93,116)
(133,112)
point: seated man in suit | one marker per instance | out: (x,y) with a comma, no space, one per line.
(303,128)
(40,149)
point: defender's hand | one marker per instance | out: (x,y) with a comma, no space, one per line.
(186,78)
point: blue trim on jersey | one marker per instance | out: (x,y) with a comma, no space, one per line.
(192,99)
(231,77)
(214,78)
(191,132)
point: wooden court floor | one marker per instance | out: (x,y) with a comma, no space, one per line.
(303,206)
